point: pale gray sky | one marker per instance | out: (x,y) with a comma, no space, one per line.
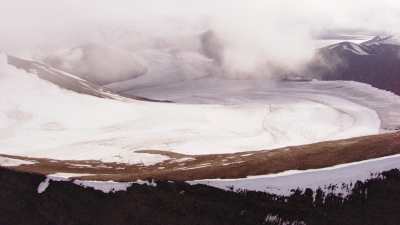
(280,31)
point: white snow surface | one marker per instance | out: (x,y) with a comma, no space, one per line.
(234,92)
(68,175)
(211,115)
(10,162)
(112,186)
(46,183)
(43,186)
(104,186)
(283,183)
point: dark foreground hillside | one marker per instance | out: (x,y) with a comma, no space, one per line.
(375,202)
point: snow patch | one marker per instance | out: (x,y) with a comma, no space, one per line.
(46,183)
(43,185)
(69,175)
(104,186)
(112,186)
(195,167)
(185,159)
(9,162)
(283,183)
(151,183)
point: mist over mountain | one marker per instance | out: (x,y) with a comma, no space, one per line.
(232,39)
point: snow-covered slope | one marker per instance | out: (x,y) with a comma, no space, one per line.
(38,119)
(60,78)
(326,178)
(67,80)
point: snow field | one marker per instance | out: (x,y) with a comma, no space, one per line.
(38,119)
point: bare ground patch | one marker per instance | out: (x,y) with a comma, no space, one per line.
(191,167)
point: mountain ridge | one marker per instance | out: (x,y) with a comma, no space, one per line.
(375,62)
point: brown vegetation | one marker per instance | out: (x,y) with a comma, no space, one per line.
(183,167)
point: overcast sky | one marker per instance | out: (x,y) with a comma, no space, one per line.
(280,30)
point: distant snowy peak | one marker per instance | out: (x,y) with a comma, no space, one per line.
(379,44)
(374,62)
(382,40)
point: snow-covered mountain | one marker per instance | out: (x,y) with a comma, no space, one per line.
(376,62)
(68,81)
(60,78)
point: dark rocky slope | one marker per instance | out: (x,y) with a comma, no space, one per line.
(376,201)
(376,62)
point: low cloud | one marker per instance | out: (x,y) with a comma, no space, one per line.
(239,39)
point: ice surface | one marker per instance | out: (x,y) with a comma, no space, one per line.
(210,116)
